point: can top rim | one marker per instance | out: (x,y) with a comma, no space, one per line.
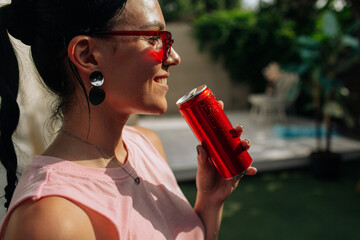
(193,93)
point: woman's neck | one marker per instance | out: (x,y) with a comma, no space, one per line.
(91,142)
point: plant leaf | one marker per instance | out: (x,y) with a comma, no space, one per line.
(350,41)
(307,41)
(330,26)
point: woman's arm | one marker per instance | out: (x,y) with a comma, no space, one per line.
(49,218)
(213,191)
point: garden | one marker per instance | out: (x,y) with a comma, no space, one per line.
(319,41)
(291,204)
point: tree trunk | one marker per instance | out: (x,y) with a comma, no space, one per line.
(329,127)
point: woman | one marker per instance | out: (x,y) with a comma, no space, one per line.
(105,60)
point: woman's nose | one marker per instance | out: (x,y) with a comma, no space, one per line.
(173,59)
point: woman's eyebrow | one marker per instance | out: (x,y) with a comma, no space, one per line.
(158,24)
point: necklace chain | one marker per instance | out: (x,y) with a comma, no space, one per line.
(136,179)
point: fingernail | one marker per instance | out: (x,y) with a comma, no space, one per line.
(234,133)
(247,143)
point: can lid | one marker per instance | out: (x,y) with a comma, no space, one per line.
(193,93)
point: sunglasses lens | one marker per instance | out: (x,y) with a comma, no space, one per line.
(168,41)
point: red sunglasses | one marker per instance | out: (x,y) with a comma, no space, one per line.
(165,36)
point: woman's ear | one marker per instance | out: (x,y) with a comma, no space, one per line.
(81,53)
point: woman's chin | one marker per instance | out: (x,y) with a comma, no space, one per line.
(160,110)
(162,107)
(156,110)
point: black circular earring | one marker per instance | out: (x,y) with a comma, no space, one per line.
(96,94)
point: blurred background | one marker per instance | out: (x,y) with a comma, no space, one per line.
(286,70)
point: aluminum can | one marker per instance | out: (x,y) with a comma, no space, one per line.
(212,128)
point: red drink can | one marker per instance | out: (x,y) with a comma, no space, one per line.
(212,128)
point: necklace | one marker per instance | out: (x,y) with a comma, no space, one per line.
(136,179)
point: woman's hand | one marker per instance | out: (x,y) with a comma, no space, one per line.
(212,190)
(208,181)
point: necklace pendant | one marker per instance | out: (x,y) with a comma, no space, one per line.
(137,180)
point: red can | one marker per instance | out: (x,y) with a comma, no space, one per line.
(214,131)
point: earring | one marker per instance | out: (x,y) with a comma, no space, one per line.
(96,94)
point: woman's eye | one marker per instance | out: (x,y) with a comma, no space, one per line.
(154,40)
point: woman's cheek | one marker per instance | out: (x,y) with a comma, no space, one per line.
(155,55)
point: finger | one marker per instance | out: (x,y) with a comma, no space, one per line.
(202,155)
(221,104)
(239,130)
(251,171)
(246,144)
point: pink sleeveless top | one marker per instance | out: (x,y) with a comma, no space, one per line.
(156,208)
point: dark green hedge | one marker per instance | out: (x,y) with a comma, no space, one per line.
(180,10)
(246,42)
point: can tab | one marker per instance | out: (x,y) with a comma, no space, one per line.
(192,93)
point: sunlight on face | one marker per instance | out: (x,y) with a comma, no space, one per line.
(156,55)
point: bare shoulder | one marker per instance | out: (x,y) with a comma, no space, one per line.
(154,139)
(49,218)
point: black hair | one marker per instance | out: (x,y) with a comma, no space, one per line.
(47,26)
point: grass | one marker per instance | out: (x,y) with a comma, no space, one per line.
(292,205)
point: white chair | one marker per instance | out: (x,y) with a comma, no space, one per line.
(265,107)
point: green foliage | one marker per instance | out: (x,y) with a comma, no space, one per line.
(213,5)
(246,42)
(175,10)
(179,9)
(324,55)
(303,13)
(327,53)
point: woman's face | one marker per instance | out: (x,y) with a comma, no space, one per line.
(135,76)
